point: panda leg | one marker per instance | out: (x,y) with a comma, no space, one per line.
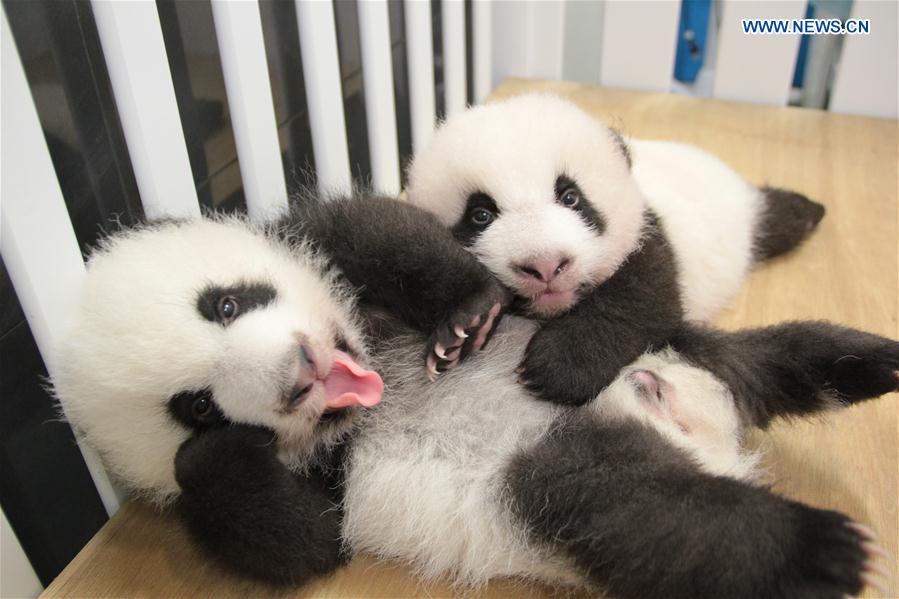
(787,218)
(794,368)
(640,520)
(251,514)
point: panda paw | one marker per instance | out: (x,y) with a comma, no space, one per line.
(836,558)
(556,369)
(466,330)
(226,459)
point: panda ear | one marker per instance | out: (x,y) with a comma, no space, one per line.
(622,145)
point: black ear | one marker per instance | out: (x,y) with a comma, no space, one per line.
(622,145)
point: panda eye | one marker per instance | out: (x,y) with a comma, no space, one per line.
(570,198)
(201,407)
(228,309)
(482,217)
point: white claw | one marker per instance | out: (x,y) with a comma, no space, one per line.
(460,332)
(431,368)
(875,584)
(863,530)
(873,550)
(440,350)
(878,570)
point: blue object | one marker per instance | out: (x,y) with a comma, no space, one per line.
(694,25)
(799,73)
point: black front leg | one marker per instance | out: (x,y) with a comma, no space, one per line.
(794,368)
(575,356)
(253,515)
(641,521)
(400,257)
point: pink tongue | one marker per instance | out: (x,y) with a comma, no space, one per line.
(348,384)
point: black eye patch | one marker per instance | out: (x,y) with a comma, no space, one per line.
(480,211)
(584,208)
(225,304)
(196,410)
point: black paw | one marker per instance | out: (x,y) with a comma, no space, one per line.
(833,557)
(557,368)
(225,457)
(468,329)
(861,366)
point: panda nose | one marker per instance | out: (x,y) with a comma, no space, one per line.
(545,270)
(305,379)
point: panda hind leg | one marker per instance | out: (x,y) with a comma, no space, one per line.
(787,218)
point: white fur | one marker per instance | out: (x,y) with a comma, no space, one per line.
(514,150)
(138,339)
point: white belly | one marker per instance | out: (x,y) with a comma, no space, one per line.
(426,475)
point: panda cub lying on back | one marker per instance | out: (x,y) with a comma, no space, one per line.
(613,245)
(221,367)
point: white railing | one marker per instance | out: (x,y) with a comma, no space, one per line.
(619,44)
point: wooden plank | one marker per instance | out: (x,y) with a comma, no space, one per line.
(238,28)
(756,68)
(131,36)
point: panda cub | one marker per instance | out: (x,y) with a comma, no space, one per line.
(612,244)
(221,368)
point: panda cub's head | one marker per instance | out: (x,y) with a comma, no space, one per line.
(540,191)
(186,326)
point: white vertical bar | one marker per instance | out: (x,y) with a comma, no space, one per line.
(131,36)
(510,33)
(238,28)
(36,237)
(321,69)
(639,40)
(583,33)
(380,111)
(482,41)
(420,61)
(866,81)
(454,82)
(546,27)
(17,577)
(756,68)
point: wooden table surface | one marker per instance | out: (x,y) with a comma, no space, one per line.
(847,273)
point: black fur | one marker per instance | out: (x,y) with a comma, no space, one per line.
(254,516)
(585,209)
(640,519)
(247,295)
(574,356)
(466,231)
(401,258)
(785,221)
(794,368)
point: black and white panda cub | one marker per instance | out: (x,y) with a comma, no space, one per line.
(220,367)
(614,245)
